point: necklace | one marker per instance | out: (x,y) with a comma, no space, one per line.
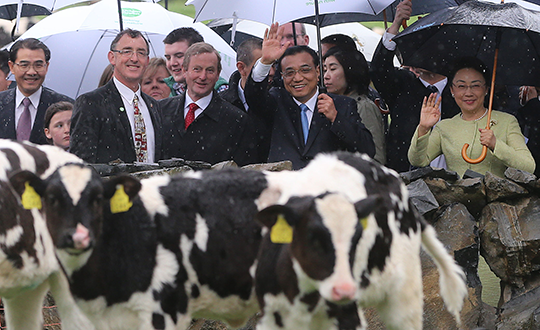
(477,119)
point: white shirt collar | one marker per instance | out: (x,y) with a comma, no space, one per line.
(34,98)
(440,84)
(312,102)
(126,92)
(202,102)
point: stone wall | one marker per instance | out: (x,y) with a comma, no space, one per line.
(498,218)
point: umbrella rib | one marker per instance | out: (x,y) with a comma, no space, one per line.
(88,62)
(200,11)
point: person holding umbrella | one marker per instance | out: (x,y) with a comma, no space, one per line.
(504,140)
(302,122)
(403,91)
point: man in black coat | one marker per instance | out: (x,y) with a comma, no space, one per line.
(29,60)
(199,124)
(103,122)
(403,91)
(246,55)
(302,122)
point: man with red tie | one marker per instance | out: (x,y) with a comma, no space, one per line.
(117,120)
(199,124)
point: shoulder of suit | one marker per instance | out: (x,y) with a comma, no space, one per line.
(55,96)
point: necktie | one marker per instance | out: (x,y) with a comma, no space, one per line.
(433,89)
(141,149)
(305,124)
(190,117)
(24,127)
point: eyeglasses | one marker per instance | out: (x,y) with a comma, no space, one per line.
(304,71)
(38,65)
(129,52)
(461,88)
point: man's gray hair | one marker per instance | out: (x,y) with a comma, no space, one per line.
(200,48)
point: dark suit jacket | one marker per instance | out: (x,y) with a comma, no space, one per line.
(231,94)
(7,114)
(100,129)
(403,92)
(281,115)
(220,133)
(529,120)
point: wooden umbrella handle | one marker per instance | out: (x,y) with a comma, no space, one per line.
(491,92)
(470,160)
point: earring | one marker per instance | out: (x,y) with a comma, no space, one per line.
(453,95)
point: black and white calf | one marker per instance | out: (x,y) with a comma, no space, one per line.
(28,266)
(339,230)
(154,254)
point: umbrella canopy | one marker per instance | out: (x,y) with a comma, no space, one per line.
(9,12)
(366,39)
(20,11)
(419,7)
(477,29)
(80,37)
(281,11)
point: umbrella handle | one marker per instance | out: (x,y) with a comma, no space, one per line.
(470,160)
(404,24)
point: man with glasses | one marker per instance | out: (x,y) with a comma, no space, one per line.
(302,39)
(22,109)
(403,91)
(301,122)
(117,120)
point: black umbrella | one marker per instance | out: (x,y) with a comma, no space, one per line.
(420,7)
(504,36)
(9,12)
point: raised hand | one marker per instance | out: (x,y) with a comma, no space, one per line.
(403,12)
(430,114)
(271,47)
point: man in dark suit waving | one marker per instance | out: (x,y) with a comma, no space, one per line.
(22,109)
(302,121)
(117,120)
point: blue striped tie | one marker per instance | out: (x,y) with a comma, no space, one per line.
(305,124)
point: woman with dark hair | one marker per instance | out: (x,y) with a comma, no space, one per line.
(57,123)
(346,73)
(505,143)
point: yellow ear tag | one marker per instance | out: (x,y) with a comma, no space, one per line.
(363,222)
(120,200)
(30,198)
(281,232)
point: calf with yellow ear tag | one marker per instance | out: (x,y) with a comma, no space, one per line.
(307,254)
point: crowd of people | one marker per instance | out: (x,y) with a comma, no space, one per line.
(272,108)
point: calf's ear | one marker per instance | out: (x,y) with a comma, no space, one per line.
(19,179)
(269,215)
(131,185)
(366,206)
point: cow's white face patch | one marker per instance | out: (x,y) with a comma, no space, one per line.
(339,216)
(75,179)
(201,233)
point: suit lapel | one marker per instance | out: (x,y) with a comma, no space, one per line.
(296,121)
(119,111)
(7,115)
(318,121)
